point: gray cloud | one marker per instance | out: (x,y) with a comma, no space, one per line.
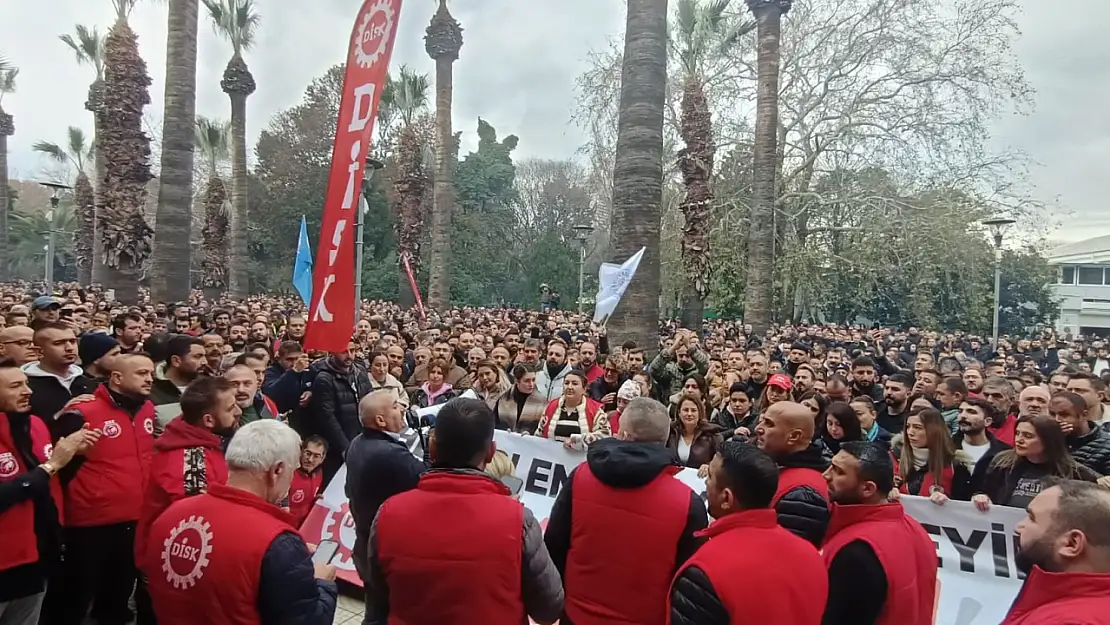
(517,70)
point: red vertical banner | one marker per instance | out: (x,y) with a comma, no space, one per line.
(331,318)
(412,283)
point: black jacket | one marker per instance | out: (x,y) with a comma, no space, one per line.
(600,388)
(378,467)
(802,510)
(29,579)
(334,406)
(284,387)
(730,423)
(1093,449)
(288,591)
(857,586)
(49,396)
(980,469)
(622,464)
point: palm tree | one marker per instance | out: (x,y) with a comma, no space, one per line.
(29,236)
(7,129)
(638,168)
(88,45)
(212,138)
(77,152)
(173,255)
(125,235)
(759,290)
(409,101)
(237,21)
(443,40)
(701,28)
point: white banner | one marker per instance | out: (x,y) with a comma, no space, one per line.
(978,579)
(612,280)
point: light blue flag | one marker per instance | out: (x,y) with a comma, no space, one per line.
(302,266)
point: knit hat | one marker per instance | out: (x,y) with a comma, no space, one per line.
(93,346)
(629,390)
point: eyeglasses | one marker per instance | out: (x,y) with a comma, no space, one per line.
(21,343)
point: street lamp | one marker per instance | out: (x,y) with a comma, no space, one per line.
(55,188)
(582,232)
(997,227)
(373,166)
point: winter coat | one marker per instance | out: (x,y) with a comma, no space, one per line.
(333,411)
(550,387)
(668,374)
(980,467)
(378,467)
(424,398)
(1093,449)
(166,397)
(802,498)
(420,376)
(729,422)
(1001,483)
(284,386)
(599,388)
(1052,598)
(955,480)
(49,393)
(707,439)
(393,384)
(516,414)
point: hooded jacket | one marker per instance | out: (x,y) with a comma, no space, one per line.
(1092,449)
(50,393)
(802,499)
(187,458)
(624,494)
(548,386)
(980,467)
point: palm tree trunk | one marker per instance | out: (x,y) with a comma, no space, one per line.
(696,163)
(5,197)
(638,170)
(85,201)
(172,244)
(100,166)
(759,290)
(237,282)
(439,283)
(214,264)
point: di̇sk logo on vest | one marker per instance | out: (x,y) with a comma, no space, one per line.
(297,496)
(8,465)
(111,429)
(185,552)
(148,425)
(47,451)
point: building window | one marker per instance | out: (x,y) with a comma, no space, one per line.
(1067,275)
(1090,276)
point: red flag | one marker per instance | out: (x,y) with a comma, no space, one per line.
(412,283)
(332,312)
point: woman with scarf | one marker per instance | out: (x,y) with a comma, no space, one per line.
(694,439)
(574,419)
(520,408)
(436,390)
(930,466)
(380,378)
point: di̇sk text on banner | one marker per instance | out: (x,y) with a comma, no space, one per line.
(978,576)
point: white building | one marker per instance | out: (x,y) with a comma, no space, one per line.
(1083,286)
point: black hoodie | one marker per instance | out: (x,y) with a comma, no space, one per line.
(623,465)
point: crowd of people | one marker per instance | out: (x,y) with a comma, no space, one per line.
(160,457)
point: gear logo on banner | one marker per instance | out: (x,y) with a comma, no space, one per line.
(185,552)
(373,34)
(339,526)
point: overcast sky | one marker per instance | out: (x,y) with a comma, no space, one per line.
(517,70)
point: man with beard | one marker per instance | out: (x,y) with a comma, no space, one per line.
(671,366)
(804,379)
(863,382)
(103,497)
(55,379)
(1093,391)
(757,376)
(974,438)
(252,404)
(440,349)
(128,330)
(973,378)
(286,379)
(186,360)
(1064,547)
(549,379)
(798,354)
(925,383)
(295,329)
(748,554)
(896,403)
(96,352)
(588,363)
(237,337)
(882,564)
(785,432)
(1088,442)
(221,320)
(260,332)
(1000,393)
(17,343)
(336,390)
(213,350)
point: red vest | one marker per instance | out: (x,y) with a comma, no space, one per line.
(591,407)
(623,580)
(789,479)
(204,556)
(17,524)
(1050,598)
(109,484)
(464,571)
(928,482)
(902,546)
(749,556)
(303,492)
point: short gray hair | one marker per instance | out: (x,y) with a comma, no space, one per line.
(646,420)
(261,445)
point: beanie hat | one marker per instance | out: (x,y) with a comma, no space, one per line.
(93,346)
(629,390)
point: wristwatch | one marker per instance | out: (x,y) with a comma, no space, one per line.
(49,468)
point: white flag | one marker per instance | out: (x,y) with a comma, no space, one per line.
(612,281)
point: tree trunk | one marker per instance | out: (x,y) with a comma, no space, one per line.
(172,245)
(237,282)
(85,200)
(439,283)
(100,167)
(696,163)
(759,290)
(638,170)
(5,203)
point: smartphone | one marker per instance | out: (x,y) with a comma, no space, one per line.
(514,483)
(325,551)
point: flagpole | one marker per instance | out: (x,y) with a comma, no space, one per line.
(372,167)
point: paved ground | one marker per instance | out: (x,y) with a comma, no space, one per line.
(350,609)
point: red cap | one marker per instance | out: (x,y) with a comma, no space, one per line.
(780,380)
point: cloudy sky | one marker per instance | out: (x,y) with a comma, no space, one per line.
(517,70)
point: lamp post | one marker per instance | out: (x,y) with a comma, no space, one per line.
(997,227)
(582,232)
(373,166)
(55,188)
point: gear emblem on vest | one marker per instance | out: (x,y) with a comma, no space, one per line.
(148,425)
(185,552)
(8,465)
(298,496)
(111,429)
(47,451)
